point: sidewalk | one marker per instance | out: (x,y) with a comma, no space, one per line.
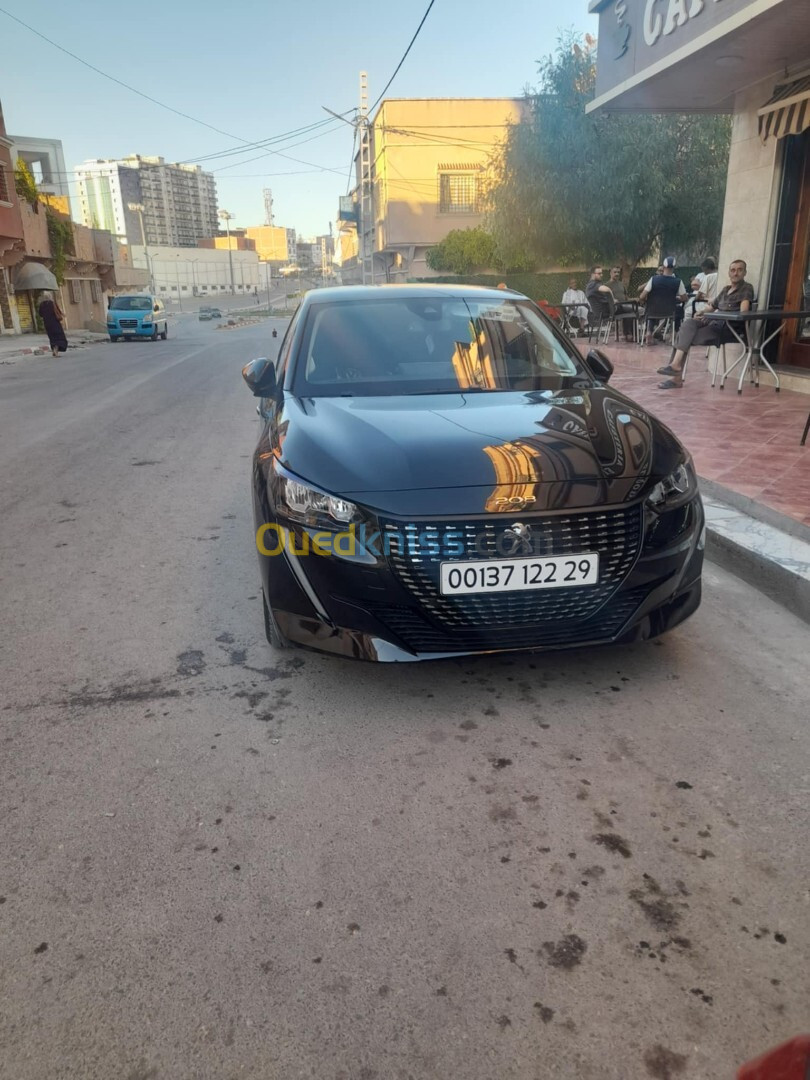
(747,443)
(15,346)
(754,475)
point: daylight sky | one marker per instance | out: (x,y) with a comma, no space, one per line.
(256,69)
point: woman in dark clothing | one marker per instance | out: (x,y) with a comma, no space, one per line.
(52,317)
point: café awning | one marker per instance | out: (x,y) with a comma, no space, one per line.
(787,112)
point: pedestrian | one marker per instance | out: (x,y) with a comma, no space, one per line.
(738,295)
(52,318)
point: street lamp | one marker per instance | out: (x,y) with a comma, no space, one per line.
(228,218)
(177,275)
(138,208)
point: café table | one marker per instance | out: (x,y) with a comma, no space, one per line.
(754,341)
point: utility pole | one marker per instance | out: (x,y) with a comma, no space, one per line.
(366,194)
(227,218)
(366,226)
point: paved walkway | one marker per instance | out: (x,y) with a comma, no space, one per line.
(747,442)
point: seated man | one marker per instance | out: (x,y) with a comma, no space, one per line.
(616,286)
(575,295)
(704,288)
(736,296)
(598,295)
(661,295)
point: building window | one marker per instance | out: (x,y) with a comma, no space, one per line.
(75,290)
(95,291)
(5,191)
(458,193)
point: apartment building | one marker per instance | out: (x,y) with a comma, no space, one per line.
(179,201)
(423,172)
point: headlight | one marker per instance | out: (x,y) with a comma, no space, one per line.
(310,506)
(147,320)
(674,490)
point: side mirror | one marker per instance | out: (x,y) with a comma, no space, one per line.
(260,375)
(157,307)
(599,364)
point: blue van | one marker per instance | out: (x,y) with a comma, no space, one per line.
(136,316)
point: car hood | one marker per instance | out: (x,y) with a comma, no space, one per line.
(572,447)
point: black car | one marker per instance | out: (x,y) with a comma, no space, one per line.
(439,472)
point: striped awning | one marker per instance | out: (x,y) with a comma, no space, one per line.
(787,112)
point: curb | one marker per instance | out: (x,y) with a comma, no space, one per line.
(774,562)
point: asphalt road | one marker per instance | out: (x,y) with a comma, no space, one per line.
(218,861)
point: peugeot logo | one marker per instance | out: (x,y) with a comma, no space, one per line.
(517,539)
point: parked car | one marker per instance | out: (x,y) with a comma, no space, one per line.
(439,472)
(205,314)
(216,313)
(140,315)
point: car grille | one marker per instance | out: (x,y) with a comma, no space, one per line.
(532,616)
(422,636)
(128,324)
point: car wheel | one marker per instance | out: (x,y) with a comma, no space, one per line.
(271,630)
(165,333)
(115,337)
(155,333)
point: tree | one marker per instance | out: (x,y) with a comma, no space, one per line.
(25,184)
(463,251)
(577,187)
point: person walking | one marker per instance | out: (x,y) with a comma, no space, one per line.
(52,319)
(736,296)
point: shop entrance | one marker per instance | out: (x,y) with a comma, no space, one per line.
(791,279)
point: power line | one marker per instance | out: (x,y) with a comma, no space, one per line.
(120,82)
(161,104)
(404,55)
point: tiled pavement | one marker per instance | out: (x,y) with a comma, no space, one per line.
(747,442)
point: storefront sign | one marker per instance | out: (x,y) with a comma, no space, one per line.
(633,34)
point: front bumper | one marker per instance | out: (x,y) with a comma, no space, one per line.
(379,609)
(132,331)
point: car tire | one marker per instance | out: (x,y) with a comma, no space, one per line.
(165,333)
(271,630)
(155,333)
(115,337)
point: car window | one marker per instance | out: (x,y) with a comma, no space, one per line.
(424,345)
(131,303)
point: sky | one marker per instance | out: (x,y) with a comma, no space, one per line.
(256,69)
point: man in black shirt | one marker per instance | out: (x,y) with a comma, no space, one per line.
(736,296)
(599,295)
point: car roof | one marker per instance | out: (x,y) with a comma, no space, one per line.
(339,293)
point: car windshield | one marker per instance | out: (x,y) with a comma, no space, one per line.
(131,303)
(429,345)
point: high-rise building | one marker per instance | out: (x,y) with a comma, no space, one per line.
(179,201)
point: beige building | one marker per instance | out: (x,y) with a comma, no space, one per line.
(749,58)
(274,244)
(426,169)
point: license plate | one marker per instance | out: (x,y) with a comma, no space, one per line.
(512,575)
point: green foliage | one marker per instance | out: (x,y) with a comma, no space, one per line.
(60,236)
(576,188)
(25,184)
(462,251)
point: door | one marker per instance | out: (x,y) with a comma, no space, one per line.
(795,345)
